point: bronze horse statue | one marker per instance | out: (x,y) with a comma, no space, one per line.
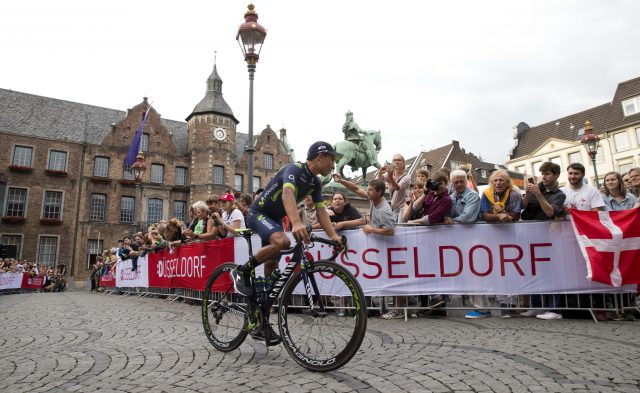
(359,156)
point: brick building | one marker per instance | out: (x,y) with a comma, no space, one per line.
(66,193)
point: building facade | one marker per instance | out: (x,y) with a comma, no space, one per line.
(66,194)
(617,123)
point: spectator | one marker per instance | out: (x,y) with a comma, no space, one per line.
(173,233)
(342,214)
(204,228)
(471,178)
(417,191)
(580,196)
(48,284)
(422,175)
(307,213)
(634,181)
(92,278)
(398,183)
(544,201)
(381,217)
(257,193)
(465,202)
(231,218)
(627,182)
(500,202)
(436,203)
(381,220)
(213,203)
(616,196)
(244,203)
(193,219)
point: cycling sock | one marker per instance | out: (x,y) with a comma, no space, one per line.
(250,265)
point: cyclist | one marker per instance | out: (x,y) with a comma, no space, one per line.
(280,198)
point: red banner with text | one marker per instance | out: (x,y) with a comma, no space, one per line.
(190,265)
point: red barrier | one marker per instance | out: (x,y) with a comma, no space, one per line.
(189,266)
(108,280)
(29,282)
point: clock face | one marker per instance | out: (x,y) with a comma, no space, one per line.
(220,134)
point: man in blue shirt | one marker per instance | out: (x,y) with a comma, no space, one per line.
(466,202)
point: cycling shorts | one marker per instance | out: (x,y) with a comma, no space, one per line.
(263,225)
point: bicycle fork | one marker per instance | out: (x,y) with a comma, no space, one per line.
(316,305)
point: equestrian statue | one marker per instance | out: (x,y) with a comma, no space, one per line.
(359,148)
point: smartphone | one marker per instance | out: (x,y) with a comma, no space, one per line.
(530,180)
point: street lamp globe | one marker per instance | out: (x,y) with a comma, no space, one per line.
(590,140)
(251,36)
(138,168)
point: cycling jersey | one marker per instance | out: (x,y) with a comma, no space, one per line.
(295,176)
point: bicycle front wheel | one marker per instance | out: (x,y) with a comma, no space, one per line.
(223,311)
(322,338)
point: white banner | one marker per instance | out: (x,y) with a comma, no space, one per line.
(10,280)
(489,259)
(125,278)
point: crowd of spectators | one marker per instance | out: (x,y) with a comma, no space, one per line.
(453,198)
(53,280)
(443,198)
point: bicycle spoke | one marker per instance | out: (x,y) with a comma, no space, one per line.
(322,341)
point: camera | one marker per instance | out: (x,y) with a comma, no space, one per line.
(430,185)
(390,166)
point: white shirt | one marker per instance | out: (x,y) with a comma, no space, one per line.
(236,215)
(584,198)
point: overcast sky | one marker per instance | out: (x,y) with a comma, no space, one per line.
(422,72)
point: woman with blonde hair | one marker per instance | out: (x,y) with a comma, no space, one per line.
(615,193)
(499,202)
(204,228)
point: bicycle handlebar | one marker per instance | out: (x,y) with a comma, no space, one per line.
(336,245)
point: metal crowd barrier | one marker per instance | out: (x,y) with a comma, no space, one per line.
(456,304)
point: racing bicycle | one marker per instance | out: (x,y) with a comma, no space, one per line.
(311,299)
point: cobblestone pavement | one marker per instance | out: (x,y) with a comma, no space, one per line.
(77,341)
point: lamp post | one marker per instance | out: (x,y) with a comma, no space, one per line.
(590,142)
(138,169)
(250,37)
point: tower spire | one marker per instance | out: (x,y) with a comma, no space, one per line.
(214,82)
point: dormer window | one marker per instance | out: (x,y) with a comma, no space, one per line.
(631,106)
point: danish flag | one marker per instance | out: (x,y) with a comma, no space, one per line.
(610,244)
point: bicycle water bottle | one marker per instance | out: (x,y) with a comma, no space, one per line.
(260,289)
(272,280)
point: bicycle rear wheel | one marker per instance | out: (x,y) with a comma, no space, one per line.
(321,340)
(223,311)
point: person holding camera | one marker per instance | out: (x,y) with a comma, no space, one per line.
(465,201)
(231,218)
(398,183)
(545,200)
(435,202)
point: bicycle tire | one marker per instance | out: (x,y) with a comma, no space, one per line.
(300,329)
(223,311)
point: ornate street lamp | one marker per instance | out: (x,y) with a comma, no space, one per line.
(250,37)
(590,142)
(138,168)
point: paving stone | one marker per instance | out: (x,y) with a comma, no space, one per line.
(76,342)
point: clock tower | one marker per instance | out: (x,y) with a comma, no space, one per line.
(212,142)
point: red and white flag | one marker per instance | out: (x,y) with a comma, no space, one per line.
(610,244)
